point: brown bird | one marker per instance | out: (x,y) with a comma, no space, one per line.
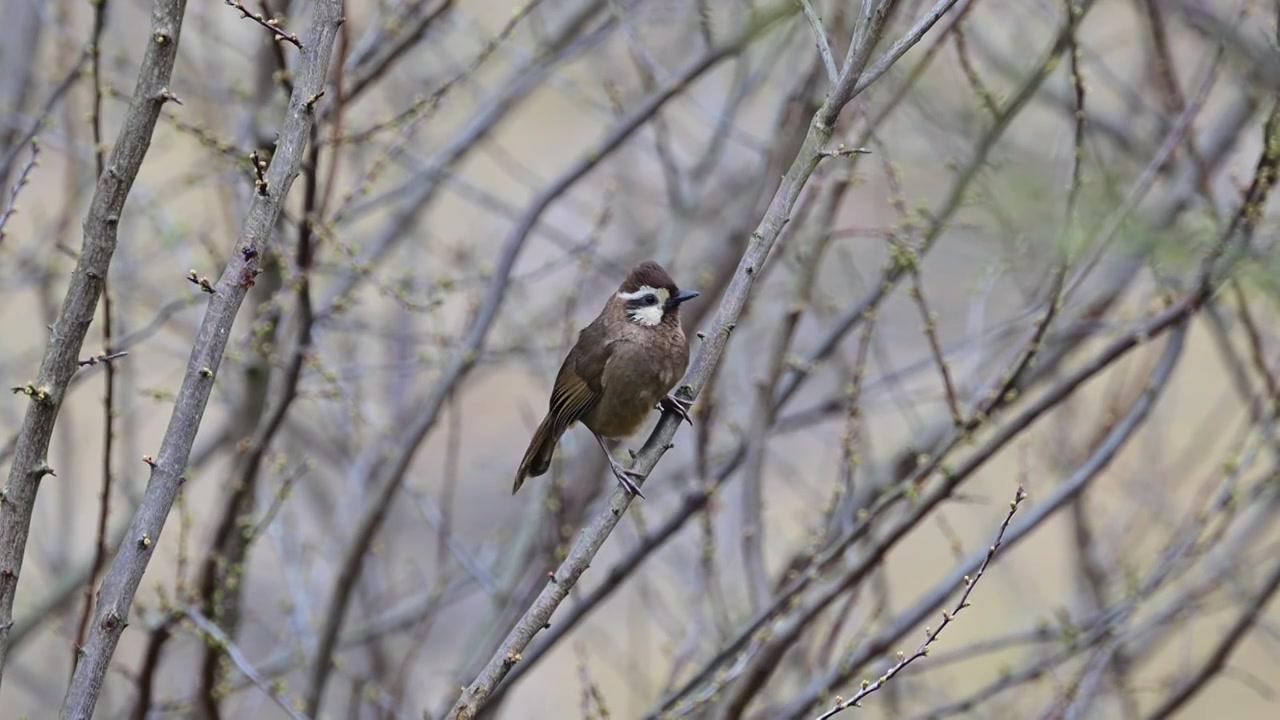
(622,367)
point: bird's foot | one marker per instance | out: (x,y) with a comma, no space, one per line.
(624,477)
(679,406)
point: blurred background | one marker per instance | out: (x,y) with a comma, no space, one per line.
(1054,271)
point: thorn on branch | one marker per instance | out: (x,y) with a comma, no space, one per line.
(202,281)
(39,394)
(165,95)
(102,358)
(842,151)
(310,104)
(149,460)
(271,24)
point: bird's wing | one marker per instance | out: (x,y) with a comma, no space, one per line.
(578,385)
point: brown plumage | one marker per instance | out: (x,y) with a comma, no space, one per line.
(622,367)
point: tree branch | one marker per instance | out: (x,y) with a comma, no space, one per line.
(592,537)
(61,355)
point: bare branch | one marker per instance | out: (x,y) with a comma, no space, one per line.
(216,635)
(271,24)
(931,635)
(59,364)
(824,46)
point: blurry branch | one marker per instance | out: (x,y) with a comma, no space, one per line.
(424,184)
(1116,439)
(216,636)
(1211,273)
(931,635)
(375,53)
(167,473)
(1257,56)
(1216,661)
(746,637)
(896,268)
(134,338)
(402,616)
(73,74)
(391,473)
(809,250)
(19,46)
(100,548)
(824,46)
(101,225)
(1236,238)
(867,34)
(24,176)
(421,108)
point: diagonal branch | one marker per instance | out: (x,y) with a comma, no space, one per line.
(931,635)
(824,45)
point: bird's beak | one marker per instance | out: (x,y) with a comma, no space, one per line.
(680,297)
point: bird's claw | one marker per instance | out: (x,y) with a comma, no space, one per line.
(624,478)
(679,406)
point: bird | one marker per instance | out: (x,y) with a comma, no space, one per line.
(622,366)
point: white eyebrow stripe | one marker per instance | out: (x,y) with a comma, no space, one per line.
(644,290)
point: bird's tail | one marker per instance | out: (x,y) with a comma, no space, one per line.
(537,458)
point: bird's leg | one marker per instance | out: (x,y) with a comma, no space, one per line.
(679,406)
(622,474)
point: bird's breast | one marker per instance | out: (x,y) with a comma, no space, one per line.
(635,380)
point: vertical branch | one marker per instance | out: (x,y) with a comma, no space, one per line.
(109,372)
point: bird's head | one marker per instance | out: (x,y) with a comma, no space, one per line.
(650,297)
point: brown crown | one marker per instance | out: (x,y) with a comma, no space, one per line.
(648,273)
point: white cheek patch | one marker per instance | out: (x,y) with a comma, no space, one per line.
(647,316)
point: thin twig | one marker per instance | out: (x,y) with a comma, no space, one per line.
(242,663)
(931,635)
(824,46)
(24,177)
(272,24)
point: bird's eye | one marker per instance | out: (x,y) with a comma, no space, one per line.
(650,299)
